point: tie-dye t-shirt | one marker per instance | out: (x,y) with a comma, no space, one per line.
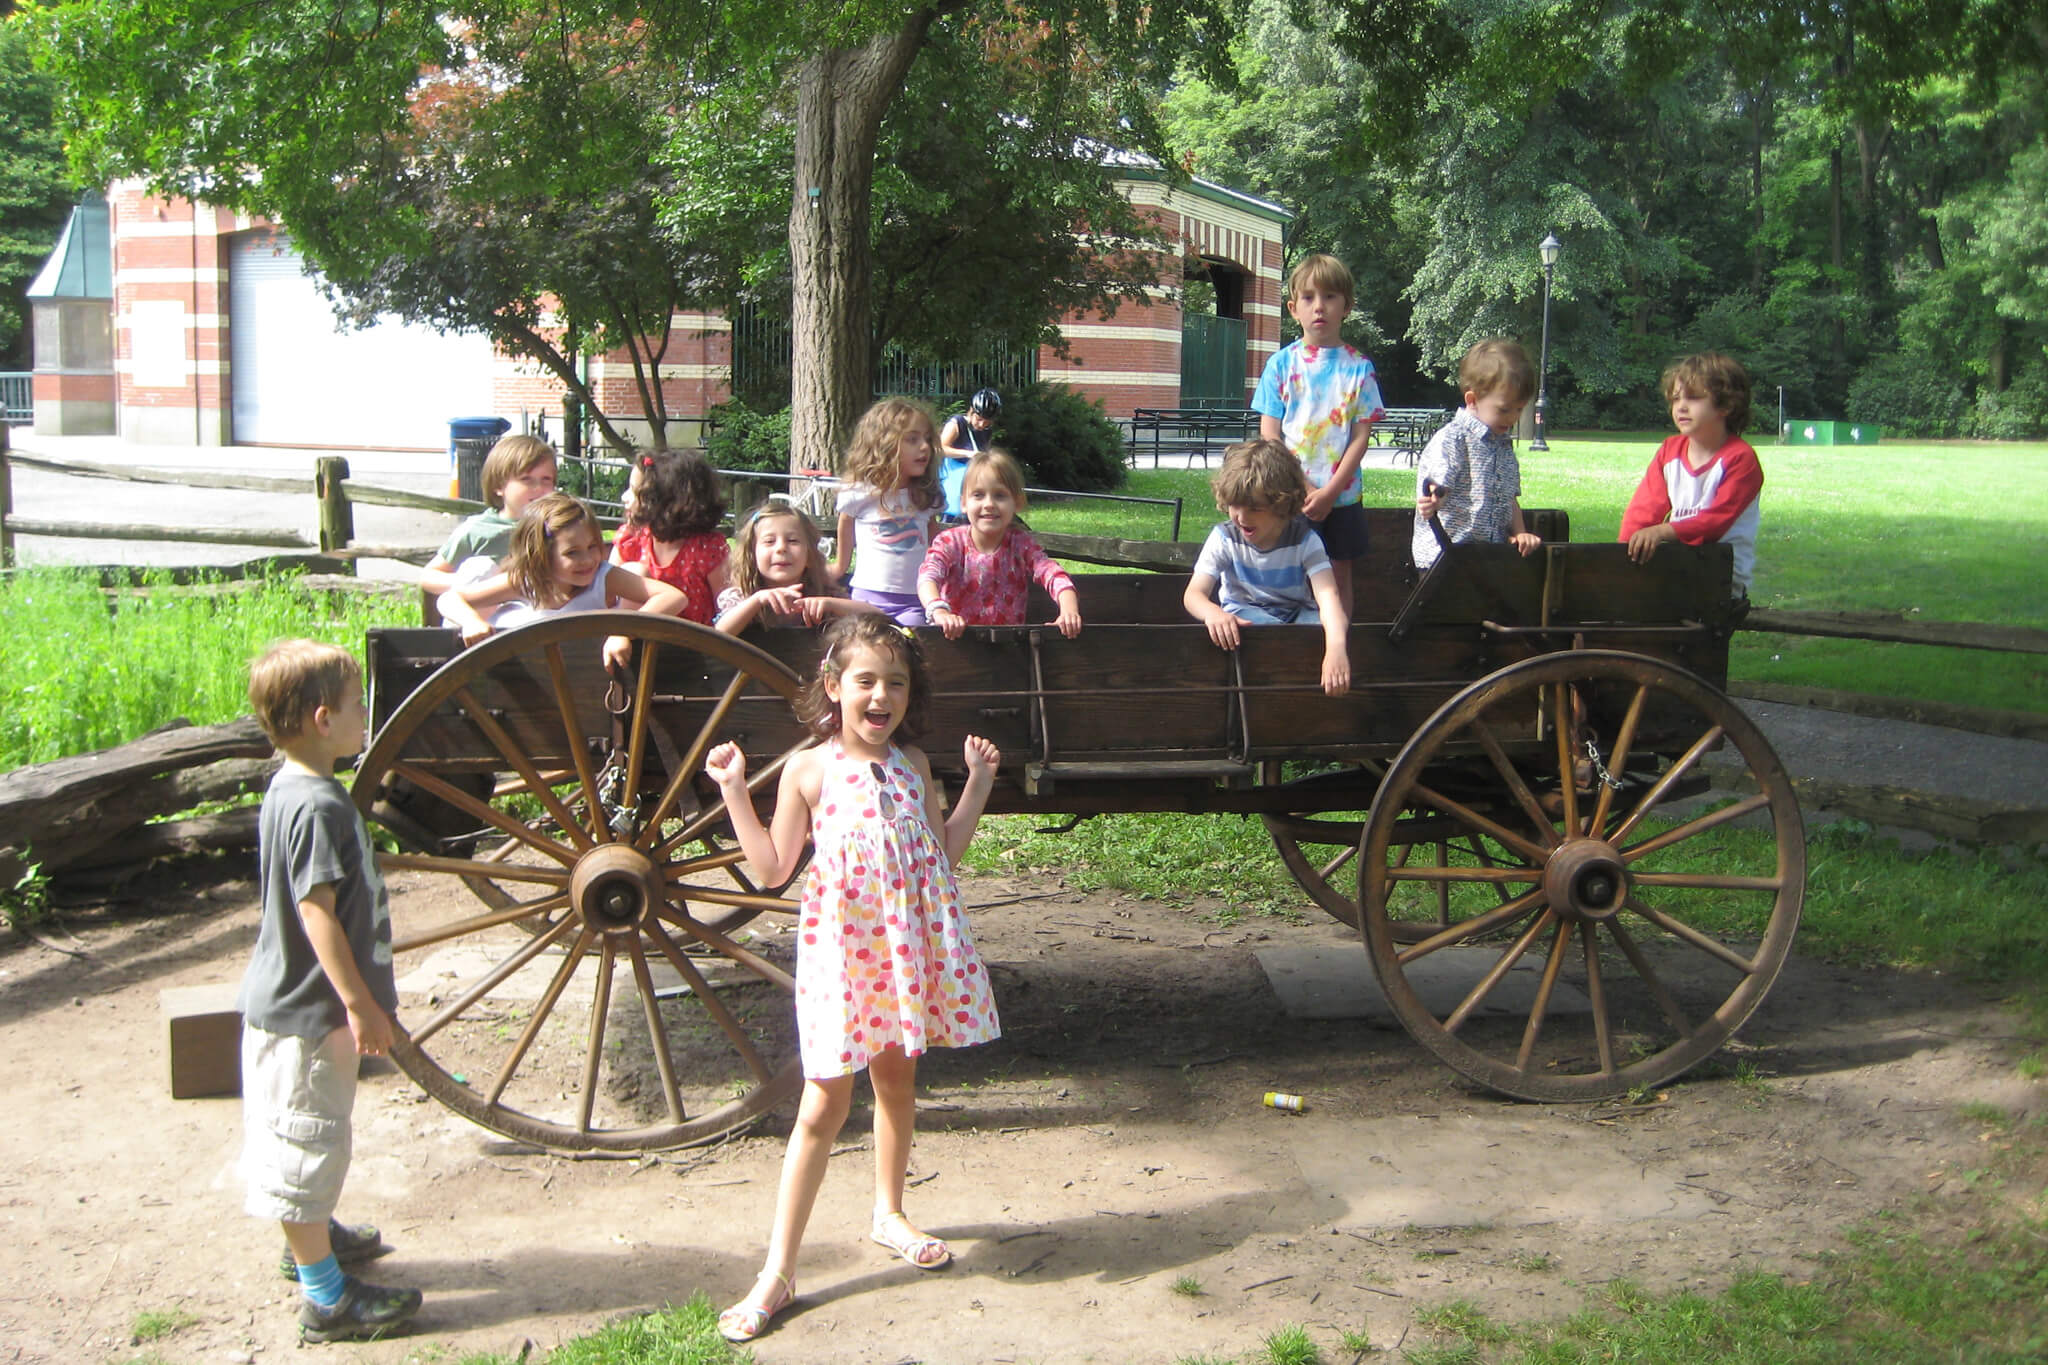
(1318,393)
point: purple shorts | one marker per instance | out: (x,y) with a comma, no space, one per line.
(904,608)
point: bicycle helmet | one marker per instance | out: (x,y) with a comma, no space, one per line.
(986,403)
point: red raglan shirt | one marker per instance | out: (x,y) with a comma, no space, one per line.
(1716,504)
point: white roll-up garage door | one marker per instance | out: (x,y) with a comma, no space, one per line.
(298,379)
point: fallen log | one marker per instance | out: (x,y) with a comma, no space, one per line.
(230,831)
(52,813)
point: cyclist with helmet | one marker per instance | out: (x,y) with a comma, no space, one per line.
(964,436)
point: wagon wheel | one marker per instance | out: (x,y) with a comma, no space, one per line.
(1320,851)
(601,999)
(1589,947)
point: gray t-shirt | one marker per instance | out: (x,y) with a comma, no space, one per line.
(310,834)
(488,533)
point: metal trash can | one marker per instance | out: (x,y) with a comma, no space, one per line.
(469,440)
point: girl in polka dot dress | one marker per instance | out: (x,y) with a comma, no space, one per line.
(886,966)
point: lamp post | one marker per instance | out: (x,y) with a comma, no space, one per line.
(1547,249)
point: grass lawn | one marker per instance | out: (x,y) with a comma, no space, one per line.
(1950,531)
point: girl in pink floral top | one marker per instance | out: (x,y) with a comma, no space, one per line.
(978,574)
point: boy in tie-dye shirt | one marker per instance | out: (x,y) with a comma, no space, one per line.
(1320,398)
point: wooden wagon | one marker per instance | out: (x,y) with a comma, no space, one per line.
(1512,805)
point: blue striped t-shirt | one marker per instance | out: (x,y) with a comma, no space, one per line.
(1275,580)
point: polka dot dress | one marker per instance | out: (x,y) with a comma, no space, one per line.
(884,955)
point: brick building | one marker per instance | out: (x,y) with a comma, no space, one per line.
(220,337)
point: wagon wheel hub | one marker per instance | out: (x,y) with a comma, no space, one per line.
(614,888)
(1585,880)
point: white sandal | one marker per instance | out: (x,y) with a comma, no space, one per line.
(742,1322)
(913,1246)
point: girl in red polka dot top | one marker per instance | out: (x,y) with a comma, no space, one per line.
(886,966)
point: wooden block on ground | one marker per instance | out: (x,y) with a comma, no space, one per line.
(205,1040)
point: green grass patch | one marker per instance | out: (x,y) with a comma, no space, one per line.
(1944,530)
(84,670)
(674,1336)
(1172,858)
(1290,1345)
(156,1324)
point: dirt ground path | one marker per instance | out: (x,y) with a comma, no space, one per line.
(1112,1143)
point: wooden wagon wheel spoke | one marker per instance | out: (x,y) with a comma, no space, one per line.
(1502,965)
(710,937)
(1561,732)
(716,1007)
(1706,943)
(502,740)
(713,815)
(749,900)
(1596,992)
(1486,825)
(1478,851)
(586,774)
(705,862)
(593,1054)
(643,716)
(1589,1022)
(1700,825)
(490,815)
(1617,759)
(1477,927)
(526,952)
(534,783)
(1534,1027)
(511,914)
(693,759)
(543,1010)
(1664,784)
(1708,881)
(1442,873)
(1539,819)
(657,1032)
(494,869)
(1674,1014)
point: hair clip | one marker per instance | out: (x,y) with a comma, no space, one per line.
(647,462)
(908,633)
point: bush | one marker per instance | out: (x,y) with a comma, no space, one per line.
(1063,440)
(2017,414)
(1904,396)
(742,438)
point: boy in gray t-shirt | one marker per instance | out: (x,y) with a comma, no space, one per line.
(319,992)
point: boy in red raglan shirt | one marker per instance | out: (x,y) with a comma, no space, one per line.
(1702,485)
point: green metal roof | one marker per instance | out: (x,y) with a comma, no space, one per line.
(82,266)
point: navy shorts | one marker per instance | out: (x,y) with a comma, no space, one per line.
(1343,532)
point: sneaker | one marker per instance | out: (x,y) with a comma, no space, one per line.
(352,1246)
(365,1313)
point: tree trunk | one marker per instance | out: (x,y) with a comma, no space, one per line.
(842,94)
(1759,124)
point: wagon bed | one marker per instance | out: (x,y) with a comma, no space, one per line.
(1448,807)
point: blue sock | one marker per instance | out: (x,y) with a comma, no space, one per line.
(322,1281)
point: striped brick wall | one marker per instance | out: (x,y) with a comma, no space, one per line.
(1132,360)
(170,316)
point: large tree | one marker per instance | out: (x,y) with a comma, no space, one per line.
(995,205)
(34,193)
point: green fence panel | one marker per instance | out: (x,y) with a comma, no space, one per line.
(1212,361)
